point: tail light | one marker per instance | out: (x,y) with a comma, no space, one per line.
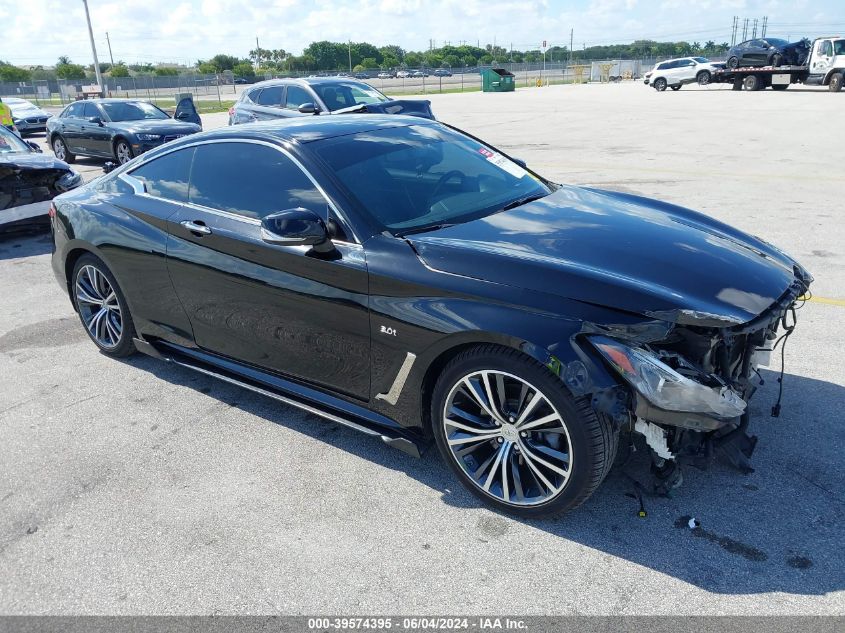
(51,213)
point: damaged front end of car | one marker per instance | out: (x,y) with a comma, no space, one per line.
(29,181)
(687,377)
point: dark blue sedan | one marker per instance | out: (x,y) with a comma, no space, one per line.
(114,128)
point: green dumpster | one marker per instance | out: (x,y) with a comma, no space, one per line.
(497,80)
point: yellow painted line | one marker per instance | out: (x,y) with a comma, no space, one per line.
(831,302)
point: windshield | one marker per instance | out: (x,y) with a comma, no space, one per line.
(776,42)
(11,143)
(341,95)
(839,47)
(131,111)
(420,176)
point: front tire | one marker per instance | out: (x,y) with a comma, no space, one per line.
(777,60)
(61,151)
(836,82)
(703,78)
(733,63)
(123,152)
(660,84)
(102,307)
(515,437)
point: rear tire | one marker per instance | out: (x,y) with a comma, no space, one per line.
(703,78)
(102,307)
(660,84)
(777,60)
(836,82)
(752,82)
(61,151)
(546,469)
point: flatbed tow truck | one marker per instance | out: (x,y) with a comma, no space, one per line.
(825,67)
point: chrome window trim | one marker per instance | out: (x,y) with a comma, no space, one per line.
(135,183)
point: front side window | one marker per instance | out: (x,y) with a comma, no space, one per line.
(132,111)
(11,143)
(826,48)
(296,96)
(90,110)
(414,177)
(339,95)
(168,176)
(250,180)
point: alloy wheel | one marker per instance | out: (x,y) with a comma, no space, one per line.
(508,438)
(124,153)
(59,149)
(99,307)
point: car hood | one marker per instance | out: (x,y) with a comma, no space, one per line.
(619,251)
(25,160)
(156,126)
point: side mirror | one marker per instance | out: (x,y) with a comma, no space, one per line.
(181,116)
(309,108)
(294,227)
(95,120)
(34,146)
(109,167)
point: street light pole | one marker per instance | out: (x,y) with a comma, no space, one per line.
(350,55)
(93,48)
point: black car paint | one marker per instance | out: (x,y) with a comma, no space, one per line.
(761,52)
(98,138)
(28,177)
(536,278)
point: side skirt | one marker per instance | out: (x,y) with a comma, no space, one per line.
(290,393)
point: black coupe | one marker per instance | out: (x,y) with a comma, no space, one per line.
(115,128)
(768,51)
(403,278)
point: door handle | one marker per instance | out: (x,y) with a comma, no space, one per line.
(195,226)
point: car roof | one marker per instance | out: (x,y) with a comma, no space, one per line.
(308,129)
(311,81)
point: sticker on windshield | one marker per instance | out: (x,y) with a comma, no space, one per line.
(503,163)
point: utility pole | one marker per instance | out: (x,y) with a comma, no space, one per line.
(571,35)
(765,24)
(745,29)
(734,28)
(111,57)
(754,31)
(350,55)
(93,48)
(257,53)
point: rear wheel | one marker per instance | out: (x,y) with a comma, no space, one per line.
(752,82)
(102,307)
(836,82)
(515,437)
(123,152)
(61,151)
(703,77)
(660,84)
(777,60)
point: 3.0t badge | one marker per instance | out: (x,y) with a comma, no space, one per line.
(388,330)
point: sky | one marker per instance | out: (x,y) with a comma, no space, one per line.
(183,31)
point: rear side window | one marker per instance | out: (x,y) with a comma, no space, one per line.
(168,176)
(74,110)
(250,180)
(271,96)
(90,110)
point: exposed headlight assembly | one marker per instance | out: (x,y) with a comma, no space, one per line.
(149,137)
(68,181)
(664,387)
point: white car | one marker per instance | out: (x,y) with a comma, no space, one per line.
(674,73)
(402,74)
(27,116)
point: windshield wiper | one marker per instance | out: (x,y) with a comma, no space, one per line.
(425,229)
(520,201)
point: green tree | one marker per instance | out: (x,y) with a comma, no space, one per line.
(243,70)
(451,61)
(10,73)
(413,60)
(65,69)
(368,63)
(165,71)
(119,70)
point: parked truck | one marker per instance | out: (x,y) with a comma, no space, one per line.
(825,66)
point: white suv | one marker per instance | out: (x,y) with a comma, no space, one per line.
(674,73)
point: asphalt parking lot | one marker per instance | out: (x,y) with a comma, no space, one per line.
(136,487)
